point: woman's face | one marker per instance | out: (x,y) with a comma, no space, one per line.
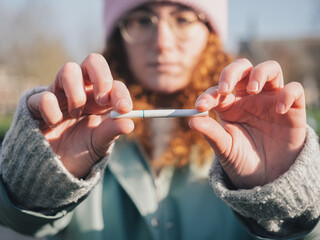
(163,43)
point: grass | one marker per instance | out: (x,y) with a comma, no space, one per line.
(5,122)
(313,117)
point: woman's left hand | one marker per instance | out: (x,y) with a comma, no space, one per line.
(262,123)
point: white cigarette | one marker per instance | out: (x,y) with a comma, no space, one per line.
(161,113)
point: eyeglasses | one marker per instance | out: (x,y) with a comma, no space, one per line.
(140,25)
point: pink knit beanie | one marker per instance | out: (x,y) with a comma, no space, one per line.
(215,10)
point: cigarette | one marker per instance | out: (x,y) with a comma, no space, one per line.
(161,113)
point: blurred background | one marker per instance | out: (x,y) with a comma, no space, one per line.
(38,36)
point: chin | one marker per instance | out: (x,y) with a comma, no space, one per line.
(167,89)
(167,85)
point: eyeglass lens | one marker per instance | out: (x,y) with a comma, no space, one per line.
(140,26)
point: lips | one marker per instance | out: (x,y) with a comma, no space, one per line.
(165,67)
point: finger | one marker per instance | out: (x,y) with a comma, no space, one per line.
(108,131)
(70,80)
(291,96)
(96,70)
(46,106)
(267,72)
(213,132)
(232,74)
(212,99)
(120,97)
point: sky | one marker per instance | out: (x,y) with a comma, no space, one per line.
(78,23)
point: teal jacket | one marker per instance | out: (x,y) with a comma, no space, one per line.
(131,204)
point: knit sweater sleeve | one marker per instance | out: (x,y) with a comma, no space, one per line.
(288,206)
(33,174)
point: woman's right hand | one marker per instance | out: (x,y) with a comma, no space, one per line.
(73,113)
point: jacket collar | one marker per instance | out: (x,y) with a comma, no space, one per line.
(128,165)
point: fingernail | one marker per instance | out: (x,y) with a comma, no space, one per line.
(281,108)
(253,86)
(102,100)
(202,102)
(223,87)
(76,112)
(123,104)
(53,126)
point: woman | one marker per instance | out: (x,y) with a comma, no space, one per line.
(63,176)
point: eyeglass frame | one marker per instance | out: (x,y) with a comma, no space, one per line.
(201,17)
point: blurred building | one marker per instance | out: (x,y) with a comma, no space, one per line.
(299,59)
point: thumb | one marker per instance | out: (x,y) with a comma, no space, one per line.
(214,133)
(107,132)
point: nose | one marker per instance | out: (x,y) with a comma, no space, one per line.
(164,36)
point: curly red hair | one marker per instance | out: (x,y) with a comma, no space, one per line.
(205,75)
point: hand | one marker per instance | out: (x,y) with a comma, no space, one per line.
(262,125)
(73,113)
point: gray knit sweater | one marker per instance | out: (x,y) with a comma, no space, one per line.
(36,178)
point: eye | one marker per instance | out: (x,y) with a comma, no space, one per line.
(184,18)
(139,21)
(183,21)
